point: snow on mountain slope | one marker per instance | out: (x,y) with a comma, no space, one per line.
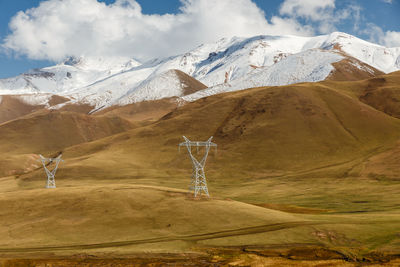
(160,86)
(228,63)
(171,83)
(105,92)
(232,59)
(309,66)
(352,69)
(227,60)
(111,64)
(382,58)
(62,78)
(36,99)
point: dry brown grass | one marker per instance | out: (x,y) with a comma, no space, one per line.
(306,152)
(345,70)
(191,85)
(146,111)
(11,108)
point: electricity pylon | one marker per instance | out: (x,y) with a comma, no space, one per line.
(51,182)
(199,182)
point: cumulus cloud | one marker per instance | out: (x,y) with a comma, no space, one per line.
(323,13)
(311,9)
(391,39)
(60,28)
(57,29)
(377,35)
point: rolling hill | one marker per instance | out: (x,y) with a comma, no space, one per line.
(303,171)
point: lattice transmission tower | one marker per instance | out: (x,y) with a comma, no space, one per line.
(199,182)
(51,181)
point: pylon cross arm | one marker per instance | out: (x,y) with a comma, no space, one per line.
(198,144)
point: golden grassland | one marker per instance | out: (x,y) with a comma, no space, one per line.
(305,174)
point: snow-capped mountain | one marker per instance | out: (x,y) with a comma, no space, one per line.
(226,65)
(171,83)
(62,78)
(308,66)
(228,60)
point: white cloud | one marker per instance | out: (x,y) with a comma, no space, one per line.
(310,9)
(391,39)
(388,1)
(321,12)
(377,35)
(59,28)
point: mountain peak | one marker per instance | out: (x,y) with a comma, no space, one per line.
(72,60)
(101,63)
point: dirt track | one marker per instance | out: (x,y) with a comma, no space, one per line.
(197,237)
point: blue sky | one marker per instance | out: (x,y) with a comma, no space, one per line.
(49,33)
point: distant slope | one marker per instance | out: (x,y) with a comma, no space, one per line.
(351,69)
(51,131)
(189,84)
(382,58)
(128,88)
(141,111)
(381,92)
(172,83)
(12,107)
(310,66)
(235,58)
(64,77)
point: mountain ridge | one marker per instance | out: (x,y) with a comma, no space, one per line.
(105,82)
